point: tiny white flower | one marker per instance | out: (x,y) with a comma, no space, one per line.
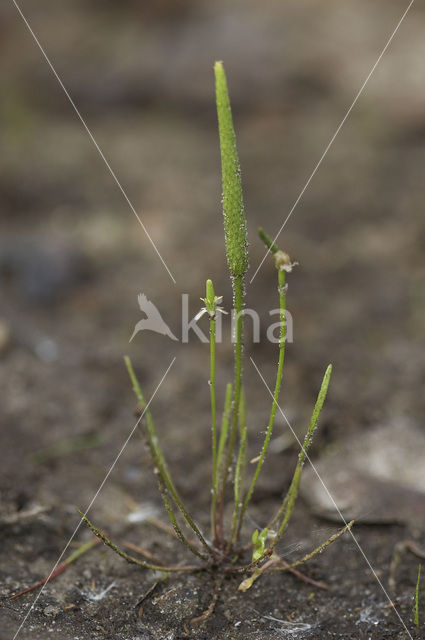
(212,303)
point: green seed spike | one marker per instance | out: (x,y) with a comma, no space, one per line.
(233,209)
(210,295)
(272,246)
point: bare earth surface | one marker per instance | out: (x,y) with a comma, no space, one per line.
(73,259)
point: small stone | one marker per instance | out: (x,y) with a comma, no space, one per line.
(51,610)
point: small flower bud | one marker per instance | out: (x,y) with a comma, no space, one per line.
(283,261)
(211,301)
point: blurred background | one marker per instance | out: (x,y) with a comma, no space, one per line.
(73,257)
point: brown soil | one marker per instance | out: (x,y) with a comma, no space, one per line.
(73,259)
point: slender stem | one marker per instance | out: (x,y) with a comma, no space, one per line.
(161,464)
(179,533)
(242,454)
(224,433)
(238,294)
(278,384)
(239,471)
(130,559)
(214,430)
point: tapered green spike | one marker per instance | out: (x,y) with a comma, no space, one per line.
(233,207)
(281,259)
(209,291)
(271,246)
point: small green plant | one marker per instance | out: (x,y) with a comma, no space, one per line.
(224,550)
(259,539)
(416,603)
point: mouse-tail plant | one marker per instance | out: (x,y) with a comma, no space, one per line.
(235,234)
(226,550)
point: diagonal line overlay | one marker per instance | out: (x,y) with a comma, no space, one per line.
(341,124)
(332,500)
(92,138)
(111,468)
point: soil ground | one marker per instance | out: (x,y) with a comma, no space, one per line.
(73,259)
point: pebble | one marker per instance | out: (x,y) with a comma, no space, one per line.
(51,610)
